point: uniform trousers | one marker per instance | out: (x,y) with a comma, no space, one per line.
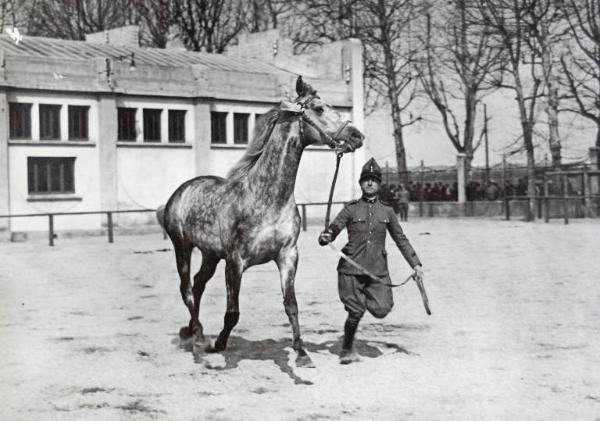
(360,293)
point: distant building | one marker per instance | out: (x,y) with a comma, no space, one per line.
(89,126)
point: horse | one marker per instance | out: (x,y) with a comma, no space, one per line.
(250,217)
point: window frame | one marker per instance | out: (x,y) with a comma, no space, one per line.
(152,125)
(243,137)
(19,123)
(215,118)
(66,175)
(176,122)
(131,117)
(83,119)
(53,124)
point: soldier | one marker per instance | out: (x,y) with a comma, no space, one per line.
(367,221)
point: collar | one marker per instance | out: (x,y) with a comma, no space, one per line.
(373,200)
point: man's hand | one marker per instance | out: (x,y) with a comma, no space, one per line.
(418,273)
(325,238)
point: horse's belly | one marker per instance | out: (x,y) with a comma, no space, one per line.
(268,243)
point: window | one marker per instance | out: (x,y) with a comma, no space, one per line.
(20,120)
(240,128)
(218,127)
(49,122)
(126,122)
(152,125)
(50,175)
(78,122)
(176,126)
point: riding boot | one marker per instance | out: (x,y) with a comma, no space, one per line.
(348,355)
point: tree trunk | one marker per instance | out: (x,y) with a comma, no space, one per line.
(528,135)
(598,144)
(552,88)
(399,144)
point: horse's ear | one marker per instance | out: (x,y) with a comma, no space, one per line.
(300,87)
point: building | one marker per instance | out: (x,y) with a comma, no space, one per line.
(106,125)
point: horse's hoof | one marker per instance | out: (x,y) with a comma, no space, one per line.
(210,348)
(185,332)
(304,361)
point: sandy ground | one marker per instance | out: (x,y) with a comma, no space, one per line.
(89,330)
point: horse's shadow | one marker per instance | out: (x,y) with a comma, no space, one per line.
(239,349)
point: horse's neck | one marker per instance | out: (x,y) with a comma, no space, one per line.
(274,175)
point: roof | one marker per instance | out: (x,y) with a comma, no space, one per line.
(41,47)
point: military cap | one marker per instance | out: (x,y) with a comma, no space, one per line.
(370,169)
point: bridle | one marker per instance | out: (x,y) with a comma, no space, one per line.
(332,141)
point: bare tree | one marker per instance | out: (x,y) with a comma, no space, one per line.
(72,19)
(546,29)
(459,59)
(156,19)
(581,67)
(209,25)
(266,14)
(390,50)
(507,19)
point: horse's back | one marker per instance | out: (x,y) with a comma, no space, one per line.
(190,197)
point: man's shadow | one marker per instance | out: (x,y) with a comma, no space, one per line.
(239,349)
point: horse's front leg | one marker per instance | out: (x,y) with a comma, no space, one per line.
(287,262)
(233,277)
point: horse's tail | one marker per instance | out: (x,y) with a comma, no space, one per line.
(160,215)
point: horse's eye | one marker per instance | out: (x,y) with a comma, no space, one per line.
(319,109)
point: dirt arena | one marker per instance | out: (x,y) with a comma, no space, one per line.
(89,331)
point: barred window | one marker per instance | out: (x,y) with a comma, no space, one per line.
(240,128)
(51,175)
(78,122)
(49,122)
(218,127)
(20,120)
(177,126)
(152,125)
(126,122)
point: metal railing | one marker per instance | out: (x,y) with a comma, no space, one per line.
(51,215)
(110,223)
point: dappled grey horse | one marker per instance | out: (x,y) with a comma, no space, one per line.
(250,217)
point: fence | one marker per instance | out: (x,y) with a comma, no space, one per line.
(51,216)
(577,205)
(109,217)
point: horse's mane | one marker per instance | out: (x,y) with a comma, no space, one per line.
(262,132)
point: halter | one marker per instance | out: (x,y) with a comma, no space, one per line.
(332,141)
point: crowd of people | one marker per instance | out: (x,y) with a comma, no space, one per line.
(448,192)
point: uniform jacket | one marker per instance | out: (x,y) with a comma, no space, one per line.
(367,224)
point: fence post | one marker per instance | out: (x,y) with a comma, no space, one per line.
(546,209)
(303,217)
(507,207)
(110,227)
(565,200)
(51,229)
(585,187)
(422,179)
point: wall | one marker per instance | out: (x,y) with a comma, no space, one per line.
(148,173)
(87,192)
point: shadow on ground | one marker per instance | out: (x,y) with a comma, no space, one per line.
(278,351)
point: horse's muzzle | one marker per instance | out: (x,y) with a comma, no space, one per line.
(352,138)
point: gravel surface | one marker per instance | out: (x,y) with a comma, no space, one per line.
(90,331)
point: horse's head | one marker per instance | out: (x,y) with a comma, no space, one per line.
(322,125)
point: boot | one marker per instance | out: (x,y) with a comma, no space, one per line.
(348,356)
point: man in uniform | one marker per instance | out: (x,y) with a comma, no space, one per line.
(367,221)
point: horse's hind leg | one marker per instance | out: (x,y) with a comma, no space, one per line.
(183,255)
(287,262)
(207,270)
(233,277)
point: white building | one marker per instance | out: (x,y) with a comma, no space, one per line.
(91,126)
